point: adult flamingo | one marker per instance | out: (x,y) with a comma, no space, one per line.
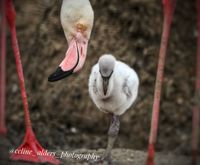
(169,8)
(30,142)
(77,18)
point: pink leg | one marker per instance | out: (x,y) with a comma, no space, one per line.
(2,68)
(196,108)
(169,7)
(30,142)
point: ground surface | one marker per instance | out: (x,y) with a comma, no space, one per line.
(62,113)
(120,157)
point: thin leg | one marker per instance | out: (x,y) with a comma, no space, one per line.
(112,135)
(30,142)
(196,108)
(2,68)
(169,7)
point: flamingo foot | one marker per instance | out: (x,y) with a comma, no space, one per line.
(31,150)
(150,158)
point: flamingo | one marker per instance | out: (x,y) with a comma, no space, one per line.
(30,142)
(77,18)
(169,8)
(113,87)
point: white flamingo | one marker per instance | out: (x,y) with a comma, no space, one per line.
(113,87)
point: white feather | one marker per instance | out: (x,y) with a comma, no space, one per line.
(122,89)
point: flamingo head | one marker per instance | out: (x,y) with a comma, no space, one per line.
(77,22)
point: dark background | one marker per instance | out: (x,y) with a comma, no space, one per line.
(62,113)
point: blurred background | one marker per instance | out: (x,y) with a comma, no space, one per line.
(62,113)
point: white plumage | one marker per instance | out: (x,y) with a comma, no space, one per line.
(122,88)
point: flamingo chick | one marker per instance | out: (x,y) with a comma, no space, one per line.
(77,21)
(113,87)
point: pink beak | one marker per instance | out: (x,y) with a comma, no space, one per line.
(74,59)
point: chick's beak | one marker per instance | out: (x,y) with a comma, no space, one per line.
(105,84)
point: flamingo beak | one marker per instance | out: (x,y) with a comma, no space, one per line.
(59,74)
(73,61)
(105,84)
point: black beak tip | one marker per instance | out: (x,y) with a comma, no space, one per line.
(105,92)
(59,74)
